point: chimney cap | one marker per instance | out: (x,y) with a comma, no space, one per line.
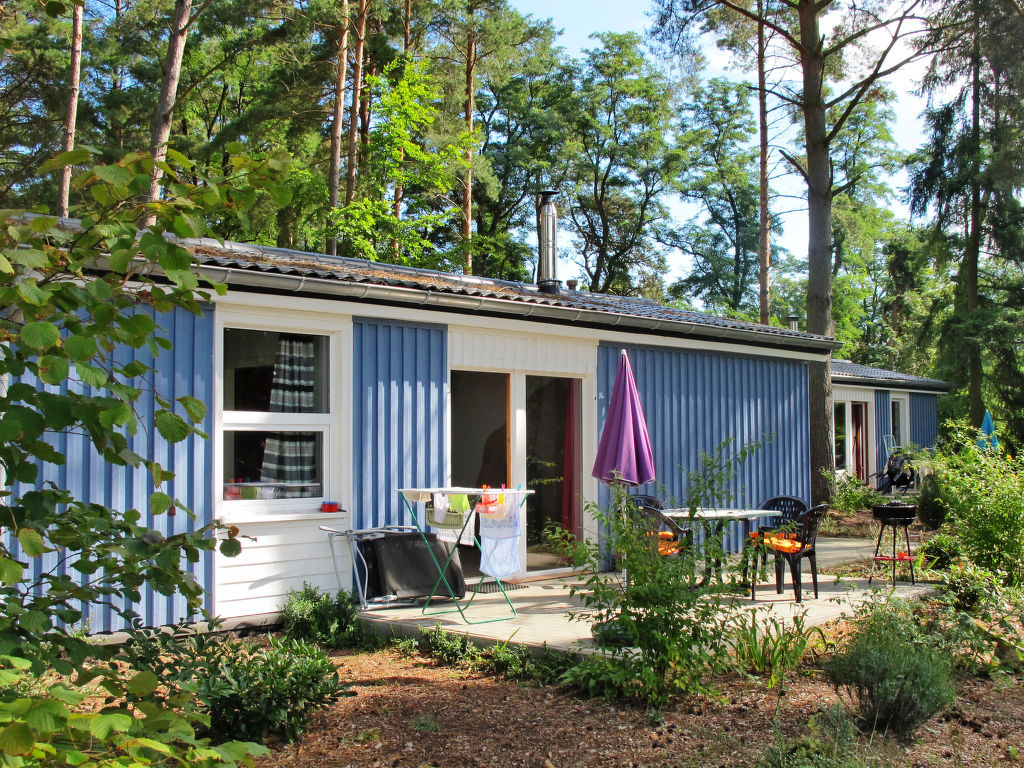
(794,320)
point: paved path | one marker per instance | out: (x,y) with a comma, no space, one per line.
(835,551)
(544,610)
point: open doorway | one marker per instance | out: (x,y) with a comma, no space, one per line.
(859,447)
(552,464)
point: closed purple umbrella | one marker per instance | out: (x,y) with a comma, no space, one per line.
(624,454)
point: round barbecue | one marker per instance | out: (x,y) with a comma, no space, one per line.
(894,513)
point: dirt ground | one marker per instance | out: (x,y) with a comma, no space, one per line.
(410,711)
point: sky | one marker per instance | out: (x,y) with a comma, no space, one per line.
(578,19)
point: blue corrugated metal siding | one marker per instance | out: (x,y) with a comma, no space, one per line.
(399,405)
(186,369)
(883,426)
(924,419)
(695,400)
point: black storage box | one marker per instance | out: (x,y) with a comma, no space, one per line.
(399,564)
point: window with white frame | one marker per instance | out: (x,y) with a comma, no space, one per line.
(276,414)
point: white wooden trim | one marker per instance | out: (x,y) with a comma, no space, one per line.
(337,472)
(299,305)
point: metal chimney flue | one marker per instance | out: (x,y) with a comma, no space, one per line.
(547,256)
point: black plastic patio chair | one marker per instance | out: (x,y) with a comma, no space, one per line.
(897,474)
(794,550)
(788,509)
(668,531)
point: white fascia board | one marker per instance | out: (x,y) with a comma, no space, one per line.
(261,303)
(894,389)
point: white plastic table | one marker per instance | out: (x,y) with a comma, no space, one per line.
(720,517)
(414,497)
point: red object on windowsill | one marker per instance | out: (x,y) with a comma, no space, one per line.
(329,506)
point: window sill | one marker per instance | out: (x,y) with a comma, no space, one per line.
(243,517)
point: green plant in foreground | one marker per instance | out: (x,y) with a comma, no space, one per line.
(830,742)
(256,691)
(983,491)
(314,616)
(889,674)
(770,647)
(49,729)
(80,340)
(239,689)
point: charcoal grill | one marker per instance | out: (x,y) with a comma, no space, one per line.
(895,515)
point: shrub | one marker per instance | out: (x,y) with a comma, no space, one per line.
(256,691)
(891,677)
(829,743)
(850,495)
(244,690)
(504,660)
(940,551)
(968,585)
(983,489)
(931,509)
(447,647)
(663,632)
(313,616)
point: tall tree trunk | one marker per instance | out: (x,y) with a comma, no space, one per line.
(365,108)
(819,242)
(407,44)
(168,93)
(467,182)
(337,119)
(72,113)
(972,253)
(762,111)
(357,91)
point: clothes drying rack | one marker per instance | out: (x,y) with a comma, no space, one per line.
(457,518)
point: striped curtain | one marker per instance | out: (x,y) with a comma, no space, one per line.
(289,458)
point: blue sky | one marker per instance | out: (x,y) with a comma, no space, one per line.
(578,19)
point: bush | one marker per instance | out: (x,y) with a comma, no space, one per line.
(850,495)
(829,743)
(447,647)
(312,616)
(504,660)
(663,632)
(940,551)
(968,586)
(891,677)
(931,509)
(243,690)
(983,490)
(257,691)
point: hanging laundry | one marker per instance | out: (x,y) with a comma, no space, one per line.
(500,557)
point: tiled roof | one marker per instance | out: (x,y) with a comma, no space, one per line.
(246,257)
(844,369)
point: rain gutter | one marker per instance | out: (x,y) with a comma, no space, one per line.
(277,282)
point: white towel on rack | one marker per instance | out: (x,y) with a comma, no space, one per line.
(500,557)
(440,507)
(504,526)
